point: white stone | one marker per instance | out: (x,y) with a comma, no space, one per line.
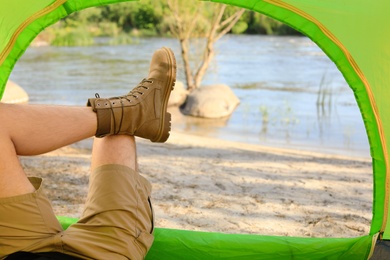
(213,101)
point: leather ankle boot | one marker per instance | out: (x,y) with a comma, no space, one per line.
(143,111)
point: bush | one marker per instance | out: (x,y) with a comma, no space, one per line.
(122,39)
(70,36)
(148,18)
(239,27)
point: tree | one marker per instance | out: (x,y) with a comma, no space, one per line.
(193,19)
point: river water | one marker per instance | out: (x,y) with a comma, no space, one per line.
(277,80)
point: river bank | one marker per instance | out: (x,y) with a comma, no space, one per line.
(277,80)
(202,183)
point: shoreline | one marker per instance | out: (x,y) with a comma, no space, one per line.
(202,127)
(276,108)
(207,184)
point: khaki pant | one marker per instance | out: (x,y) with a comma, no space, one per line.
(117,222)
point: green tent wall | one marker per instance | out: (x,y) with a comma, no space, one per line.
(352,34)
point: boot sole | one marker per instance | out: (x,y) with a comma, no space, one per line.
(165,127)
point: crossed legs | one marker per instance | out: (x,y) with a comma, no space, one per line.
(117,222)
(118,199)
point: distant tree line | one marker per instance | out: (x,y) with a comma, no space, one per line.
(153,18)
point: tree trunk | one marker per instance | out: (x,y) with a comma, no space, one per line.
(219,28)
(184,44)
(208,57)
(185,29)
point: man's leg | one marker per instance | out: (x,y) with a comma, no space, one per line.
(37,129)
(27,221)
(116,149)
(32,130)
(117,222)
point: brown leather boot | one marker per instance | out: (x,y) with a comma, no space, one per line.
(143,111)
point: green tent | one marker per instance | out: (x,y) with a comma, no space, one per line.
(350,32)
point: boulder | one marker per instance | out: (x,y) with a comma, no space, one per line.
(178,95)
(14,94)
(213,101)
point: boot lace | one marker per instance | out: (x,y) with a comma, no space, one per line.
(133,93)
(139,90)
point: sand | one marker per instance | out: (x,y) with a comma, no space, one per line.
(207,184)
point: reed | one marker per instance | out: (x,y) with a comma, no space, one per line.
(324,93)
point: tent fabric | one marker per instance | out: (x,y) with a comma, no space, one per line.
(171,244)
(350,32)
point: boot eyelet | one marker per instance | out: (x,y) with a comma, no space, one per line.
(98,104)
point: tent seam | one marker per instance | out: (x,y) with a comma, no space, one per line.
(28,21)
(365,83)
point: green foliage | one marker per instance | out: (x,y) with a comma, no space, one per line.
(189,11)
(240,27)
(152,18)
(130,16)
(120,14)
(87,16)
(72,36)
(262,24)
(146,17)
(105,28)
(122,39)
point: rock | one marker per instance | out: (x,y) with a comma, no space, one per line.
(14,94)
(214,101)
(178,95)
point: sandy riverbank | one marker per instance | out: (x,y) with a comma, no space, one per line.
(212,185)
